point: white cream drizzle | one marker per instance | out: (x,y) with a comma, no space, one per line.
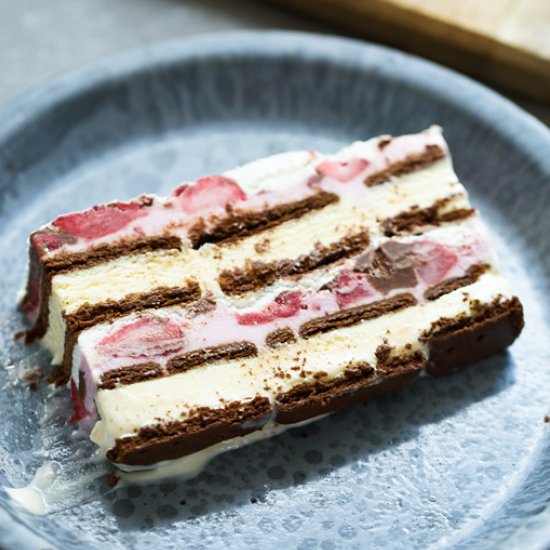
(33,497)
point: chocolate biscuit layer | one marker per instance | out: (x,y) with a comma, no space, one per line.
(392,365)
(191,359)
(204,427)
(455,343)
(241,223)
(280,336)
(258,275)
(414,162)
(358,383)
(88,315)
(355,315)
(127,246)
(129,375)
(416,218)
(473,273)
(311,399)
(148,371)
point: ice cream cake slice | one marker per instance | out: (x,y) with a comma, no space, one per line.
(264,297)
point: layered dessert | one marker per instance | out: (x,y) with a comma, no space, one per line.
(264,297)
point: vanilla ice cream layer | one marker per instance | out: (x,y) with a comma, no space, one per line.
(125,409)
(54,339)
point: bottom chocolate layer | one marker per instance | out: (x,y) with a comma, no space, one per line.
(205,427)
(464,341)
(358,383)
(453,344)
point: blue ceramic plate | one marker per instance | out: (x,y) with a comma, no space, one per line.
(456,462)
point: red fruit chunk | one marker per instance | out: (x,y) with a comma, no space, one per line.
(342,171)
(287,304)
(434,261)
(79,410)
(209,193)
(148,336)
(259,318)
(351,287)
(100,220)
(48,240)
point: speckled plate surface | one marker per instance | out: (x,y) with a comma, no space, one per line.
(457,462)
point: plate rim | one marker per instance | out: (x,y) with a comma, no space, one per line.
(528,134)
(389,62)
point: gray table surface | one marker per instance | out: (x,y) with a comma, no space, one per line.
(41,39)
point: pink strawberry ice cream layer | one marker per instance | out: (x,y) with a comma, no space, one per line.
(156,337)
(150,215)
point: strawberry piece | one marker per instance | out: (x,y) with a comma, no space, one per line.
(209,193)
(101,220)
(342,171)
(259,318)
(434,261)
(351,287)
(79,410)
(148,336)
(48,240)
(287,304)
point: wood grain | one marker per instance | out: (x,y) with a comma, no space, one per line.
(503,42)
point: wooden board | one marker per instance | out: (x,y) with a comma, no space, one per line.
(503,42)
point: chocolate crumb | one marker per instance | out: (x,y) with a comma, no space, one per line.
(382,353)
(112,480)
(32,377)
(383,143)
(262,246)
